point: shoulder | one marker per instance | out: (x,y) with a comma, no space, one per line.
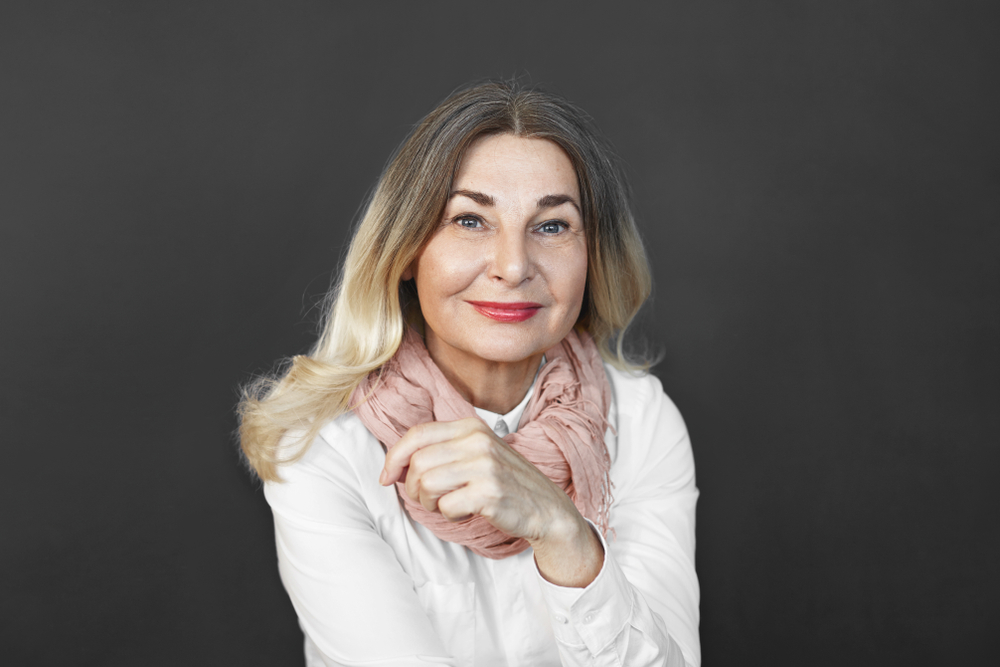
(339,443)
(650,429)
(640,395)
(340,465)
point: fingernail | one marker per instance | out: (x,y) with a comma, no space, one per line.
(382,476)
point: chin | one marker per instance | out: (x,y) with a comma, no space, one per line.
(510,349)
(505,356)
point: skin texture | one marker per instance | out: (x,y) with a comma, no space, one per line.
(511,233)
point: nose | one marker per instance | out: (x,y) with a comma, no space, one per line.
(511,262)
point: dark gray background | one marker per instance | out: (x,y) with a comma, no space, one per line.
(818,185)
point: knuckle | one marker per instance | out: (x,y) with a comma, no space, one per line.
(429,481)
(492,465)
(428,502)
(482,441)
(418,460)
(390,456)
(451,508)
(488,467)
(491,488)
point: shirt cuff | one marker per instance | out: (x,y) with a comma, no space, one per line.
(593,616)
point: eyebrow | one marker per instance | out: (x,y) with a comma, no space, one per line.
(478,197)
(548,201)
(551,201)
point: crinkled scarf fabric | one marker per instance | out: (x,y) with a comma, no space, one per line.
(561,430)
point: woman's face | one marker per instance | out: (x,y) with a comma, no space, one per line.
(503,277)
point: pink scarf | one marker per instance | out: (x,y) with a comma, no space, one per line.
(561,431)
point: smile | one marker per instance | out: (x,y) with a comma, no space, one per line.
(506,312)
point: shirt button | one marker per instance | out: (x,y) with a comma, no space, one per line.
(561,619)
(589,618)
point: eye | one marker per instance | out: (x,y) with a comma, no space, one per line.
(469,221)
(552,227)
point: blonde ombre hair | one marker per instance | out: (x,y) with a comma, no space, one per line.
(366,312)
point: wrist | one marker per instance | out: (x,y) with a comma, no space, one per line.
(564,530)
(570,554)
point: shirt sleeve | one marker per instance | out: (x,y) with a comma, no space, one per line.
(352,597)
(642,609)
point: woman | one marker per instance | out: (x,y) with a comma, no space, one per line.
(465,469)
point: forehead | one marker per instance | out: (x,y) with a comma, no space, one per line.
(507,164)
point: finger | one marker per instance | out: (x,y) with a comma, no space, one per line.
(438,482)
(443,467)
(469,456)
(426,460)
(460,504)
(418,437)
(442,481)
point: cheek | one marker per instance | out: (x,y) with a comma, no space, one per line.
(571,276)
(442,271)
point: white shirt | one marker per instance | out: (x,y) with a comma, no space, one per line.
(373,587)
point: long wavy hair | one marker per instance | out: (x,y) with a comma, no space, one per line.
(365,313)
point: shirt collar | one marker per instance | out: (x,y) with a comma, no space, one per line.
(512,418)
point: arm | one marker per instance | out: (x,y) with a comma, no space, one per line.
(352,597)
(642,609)
(645,593)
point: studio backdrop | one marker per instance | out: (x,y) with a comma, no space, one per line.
(817,186)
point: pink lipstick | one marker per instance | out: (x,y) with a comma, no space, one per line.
(509,311)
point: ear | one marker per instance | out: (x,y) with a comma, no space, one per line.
(407,273)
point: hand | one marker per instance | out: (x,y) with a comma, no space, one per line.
(462,468)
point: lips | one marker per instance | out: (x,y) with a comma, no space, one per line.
(506,311)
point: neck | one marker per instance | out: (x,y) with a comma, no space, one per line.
(491,385)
